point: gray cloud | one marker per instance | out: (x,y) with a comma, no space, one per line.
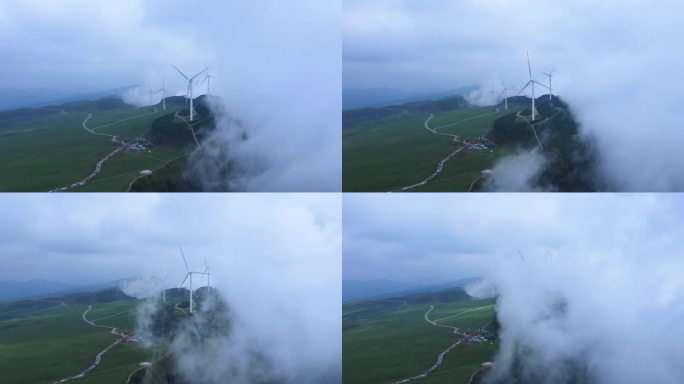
(598,293)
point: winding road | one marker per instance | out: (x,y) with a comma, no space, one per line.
(114,139)
(440,164)
(533,129)
(440,357)
(98,357)
(190,127)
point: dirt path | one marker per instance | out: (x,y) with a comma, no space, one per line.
(440,357)
(190,126)
(98,357)
(98,166)
(440,164)
(533,129)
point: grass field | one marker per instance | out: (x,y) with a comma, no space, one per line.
(53,342)
(47,152)
(391,152)
(385,341)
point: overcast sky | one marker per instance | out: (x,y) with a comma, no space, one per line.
(103,237)
(441,237)
(441,44)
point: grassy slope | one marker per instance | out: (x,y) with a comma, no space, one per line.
(387,153)
(395,341)
(53,343)
(54,151)
(46,153)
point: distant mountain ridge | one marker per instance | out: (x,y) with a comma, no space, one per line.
(11,98)
(354,98)
(353,290)
(17,290)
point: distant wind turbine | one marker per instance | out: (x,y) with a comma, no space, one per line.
(531,83)
(550,76)
(163,91)
(189,275)
(207,78)
(504,92)
(189,92)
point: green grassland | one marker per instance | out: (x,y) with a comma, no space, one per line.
(388,340)
(43,151)
(48,341)
(390,152)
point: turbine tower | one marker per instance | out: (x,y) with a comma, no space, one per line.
(164,287)
(207,79)
(531,83)
(163,91)
(189,92)
(189,275)
(504,92)
(550,76)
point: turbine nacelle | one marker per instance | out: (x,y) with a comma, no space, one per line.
(189,90)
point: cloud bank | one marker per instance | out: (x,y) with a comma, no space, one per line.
(596,297)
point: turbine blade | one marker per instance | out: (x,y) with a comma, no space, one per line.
(186,278)
(529,66)
(179,71)
(521,255)
(538,83)
(198,73)
(525,87)
(185,261)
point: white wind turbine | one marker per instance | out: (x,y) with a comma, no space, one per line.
(189,275)
(531,83)
(207,79)
(189,92)
(163,91)
(550,76)
(504,92)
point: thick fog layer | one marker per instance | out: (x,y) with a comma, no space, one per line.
(276,68)
(617,65)
(274,259)
(590,288)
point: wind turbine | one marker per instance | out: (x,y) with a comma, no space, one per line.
(189,275)
(531,83)
(206,270)
(504,92)
(207,79)
(164,287)
(550,76)
(189,92)
(163,90)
